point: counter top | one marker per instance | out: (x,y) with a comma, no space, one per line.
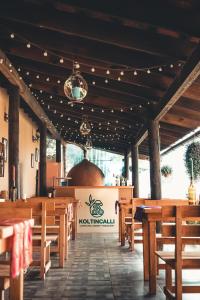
(95,187)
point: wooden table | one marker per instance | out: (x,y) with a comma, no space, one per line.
(16,284)
(149,218)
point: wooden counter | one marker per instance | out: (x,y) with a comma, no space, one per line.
(96,212)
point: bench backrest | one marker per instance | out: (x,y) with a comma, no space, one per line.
(13,212)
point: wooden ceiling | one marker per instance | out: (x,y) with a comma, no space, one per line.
(152,52)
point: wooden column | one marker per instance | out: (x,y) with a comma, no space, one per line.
(58,151)
(135,173)
(154,155)
(43,160)
(64,160)
(126,164)
(13,137)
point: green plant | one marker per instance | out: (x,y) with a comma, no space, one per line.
(166,171)
(192,160)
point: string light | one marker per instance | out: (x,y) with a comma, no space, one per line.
(106,80)
(12,35)
(122,73)
(28,45)
(93,82)
(61,60)
(93,70)
(171,66)
(38,76)
(58,81)
(107,72)
(160,69)
(119,79)
(45,53)
(148,71)
(135,73)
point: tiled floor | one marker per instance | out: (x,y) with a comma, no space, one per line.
(98,268)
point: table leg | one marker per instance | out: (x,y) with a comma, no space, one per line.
(152,258)
(145,250)
(17,287)
(62,241)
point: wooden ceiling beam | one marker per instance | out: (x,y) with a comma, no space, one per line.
(104,101)
(76,111)
(132,95)
(168,18)
(156,83)
(76,47)
(187,76)
(93,29)
(25,93)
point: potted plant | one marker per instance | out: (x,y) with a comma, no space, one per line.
(166,171)
(192,160)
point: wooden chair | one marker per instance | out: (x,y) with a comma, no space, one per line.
(130,227)
(181,234)
(9,212)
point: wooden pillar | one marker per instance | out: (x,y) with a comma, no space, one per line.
(13,137)
(135,173)
(43,160)
(58,151)
(154,155)
(64,161)
(126,164)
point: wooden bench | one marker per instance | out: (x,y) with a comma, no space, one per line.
(181,234)
(5,279)
(55,226)
(62,205)
(41,242)
(131,226)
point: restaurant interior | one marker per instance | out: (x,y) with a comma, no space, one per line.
(121,78)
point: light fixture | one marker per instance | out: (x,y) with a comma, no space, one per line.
(36,137)
(85,127)
(5,116)
(88,144)
(75,87)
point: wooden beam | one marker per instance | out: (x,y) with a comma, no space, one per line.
(156,83)
(183,81)
(13,137)
(182,21)
(96,30)
(43,160)
(76,48)
(13,77)
(58,151)
(154,155)
(135,170)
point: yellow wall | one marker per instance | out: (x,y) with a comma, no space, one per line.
(3,134)
(26,147)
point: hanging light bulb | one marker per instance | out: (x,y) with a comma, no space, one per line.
(85,127)
(75,87)
(88,144)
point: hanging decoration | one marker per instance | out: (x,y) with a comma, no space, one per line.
(88,144)
(85,127)
(75,87)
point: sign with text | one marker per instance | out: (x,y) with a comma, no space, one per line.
(97,210)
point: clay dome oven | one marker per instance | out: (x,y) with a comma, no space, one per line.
(86,174)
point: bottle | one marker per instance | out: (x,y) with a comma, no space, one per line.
(192,193)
